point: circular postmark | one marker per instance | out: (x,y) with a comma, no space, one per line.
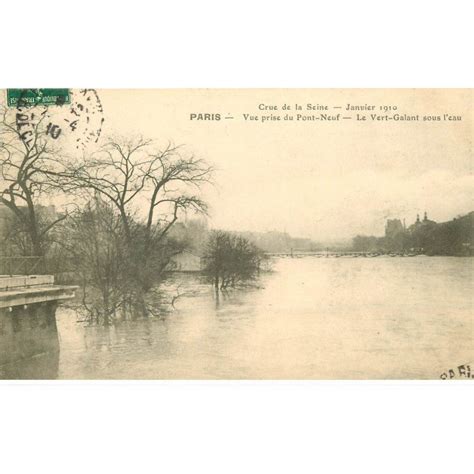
(85,117)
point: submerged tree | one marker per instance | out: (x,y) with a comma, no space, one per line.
(231,260)
(94,243)
(137,193)
(95,248)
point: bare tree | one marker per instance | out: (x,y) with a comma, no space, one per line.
(26,159)
(140,181)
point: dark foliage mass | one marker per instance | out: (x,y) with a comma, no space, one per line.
(231,260)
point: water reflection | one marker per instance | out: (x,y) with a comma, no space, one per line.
(29,344)
(43,366)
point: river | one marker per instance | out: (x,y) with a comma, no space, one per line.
(310,318)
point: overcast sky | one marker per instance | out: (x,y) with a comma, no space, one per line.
(324,180)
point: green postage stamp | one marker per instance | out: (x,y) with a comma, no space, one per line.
(31,97)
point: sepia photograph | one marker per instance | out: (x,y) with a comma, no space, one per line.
(219,234)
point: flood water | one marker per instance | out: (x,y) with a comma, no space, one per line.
(311,318)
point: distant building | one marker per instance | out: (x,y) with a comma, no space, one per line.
(425,236)
(186,262)
(9,225)
(393,228)
(421,224)
(5,224)
(3,216)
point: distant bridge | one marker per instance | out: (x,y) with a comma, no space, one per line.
(321,253)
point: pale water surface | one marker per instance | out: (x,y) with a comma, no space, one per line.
(312,318)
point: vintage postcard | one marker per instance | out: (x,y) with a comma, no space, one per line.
(236,234)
